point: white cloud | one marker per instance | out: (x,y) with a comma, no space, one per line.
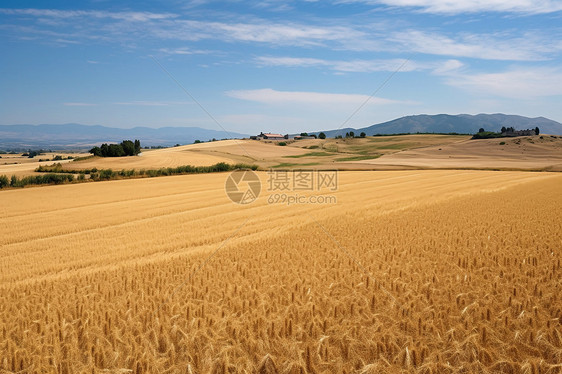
(183,51)
(66,41)
(351,66)
(132,25)
(291,61)
(152,103)
(487,47)
(79,104)
(363,66)
(471,6)
(448,67)
(517,83)
(129,28)
(270,96)
(66,14)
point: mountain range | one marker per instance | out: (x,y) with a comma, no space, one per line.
(461,124)
(81,137)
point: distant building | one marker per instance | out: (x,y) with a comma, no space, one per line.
(271,136)
(268,136)
(511,132)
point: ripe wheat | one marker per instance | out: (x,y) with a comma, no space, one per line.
(421,272)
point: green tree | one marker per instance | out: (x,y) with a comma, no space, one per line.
(481,129)
(304,134)
(362,135)
(4,182)
(96,151)
(503,129)
(14,181)
(537,130)
(104,149)
(322,135)
(351,134)
(128,147)
(137,147)
(115,150)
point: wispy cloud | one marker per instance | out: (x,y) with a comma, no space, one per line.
(341,66)
(66,14)
(183,51)
(131,27)
(517,82)
(79,104)
(355,66)
(271,96)
(152,103)
(66,41)
(470,6)
(525,47)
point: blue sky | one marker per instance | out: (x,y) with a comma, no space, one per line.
(274,65)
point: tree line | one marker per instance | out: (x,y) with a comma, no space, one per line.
(125,148)
(50,178)
(67,176)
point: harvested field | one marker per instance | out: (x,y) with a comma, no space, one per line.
(410,271)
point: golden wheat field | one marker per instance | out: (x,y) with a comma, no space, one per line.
(408,272)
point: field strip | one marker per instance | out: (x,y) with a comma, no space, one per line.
(146,212)
(374,205)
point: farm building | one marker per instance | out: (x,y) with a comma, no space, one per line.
(511,132)
(268,136)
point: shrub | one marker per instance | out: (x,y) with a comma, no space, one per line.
(222,166)
(502,143)
(54,168)
(65,176)
(4,182)
(106,174)
(282,144)
(245,166)
(83,158)
(152,173)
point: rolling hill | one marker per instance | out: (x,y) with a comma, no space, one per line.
(461,124)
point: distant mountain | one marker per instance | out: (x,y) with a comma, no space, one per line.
(462,124)
(79,137)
